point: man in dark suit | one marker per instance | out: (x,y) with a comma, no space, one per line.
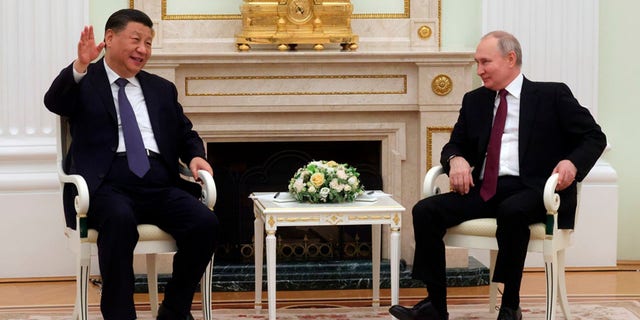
(91,95)
(545,131)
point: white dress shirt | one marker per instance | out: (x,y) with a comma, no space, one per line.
(136,99)
(509,158)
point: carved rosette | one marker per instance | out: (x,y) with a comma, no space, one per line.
(442,85)
(424,32)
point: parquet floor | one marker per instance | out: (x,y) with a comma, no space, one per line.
(616,283)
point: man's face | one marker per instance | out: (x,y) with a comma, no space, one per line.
(128,50)
(495,69)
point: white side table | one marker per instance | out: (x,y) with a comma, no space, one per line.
(375,210)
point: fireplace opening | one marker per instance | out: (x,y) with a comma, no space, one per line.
(241,168)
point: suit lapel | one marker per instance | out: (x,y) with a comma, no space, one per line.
(529,101)
(100,82)
(486,118)
(151,99)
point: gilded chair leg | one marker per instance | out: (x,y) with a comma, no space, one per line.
(493,287)
(562,286)
(152,283)
(551,272)
(205,288)
(82,282)
(80,311)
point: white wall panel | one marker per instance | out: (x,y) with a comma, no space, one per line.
(559,40)
(38,39)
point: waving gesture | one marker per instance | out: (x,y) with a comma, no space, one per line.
(87,49)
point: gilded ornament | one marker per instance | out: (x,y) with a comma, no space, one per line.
(424,32)
(288,23)
(442,85)
(271,222)
(396,219)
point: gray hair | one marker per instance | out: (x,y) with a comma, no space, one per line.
(507,43)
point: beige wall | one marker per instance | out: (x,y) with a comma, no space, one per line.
(619,112)
(619,93)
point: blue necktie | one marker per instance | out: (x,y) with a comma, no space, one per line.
(136,153)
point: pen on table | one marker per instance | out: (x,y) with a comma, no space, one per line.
(276,195)
(371,192)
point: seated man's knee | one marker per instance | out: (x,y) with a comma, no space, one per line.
(511,220)
(115,216)
(207,225)
(422,211)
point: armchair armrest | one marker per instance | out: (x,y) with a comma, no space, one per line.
(81,200)
(429,187)
(209,193)
(551,203)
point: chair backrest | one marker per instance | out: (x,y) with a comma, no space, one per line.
(63,142)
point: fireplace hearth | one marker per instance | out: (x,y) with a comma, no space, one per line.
(241,168)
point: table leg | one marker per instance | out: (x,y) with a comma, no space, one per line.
(271,273)
(376,234)
(395,264)
(258,232)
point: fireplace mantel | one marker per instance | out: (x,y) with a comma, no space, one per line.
(407,99)
(398,87)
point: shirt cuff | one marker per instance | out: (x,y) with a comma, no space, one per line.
(77,76)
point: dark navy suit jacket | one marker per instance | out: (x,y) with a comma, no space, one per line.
(90,108)
(553,126)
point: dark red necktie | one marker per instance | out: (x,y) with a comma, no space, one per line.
(490,178)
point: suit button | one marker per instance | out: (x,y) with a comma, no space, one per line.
(101,176)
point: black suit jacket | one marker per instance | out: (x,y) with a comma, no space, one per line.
(93,123)
(553,126)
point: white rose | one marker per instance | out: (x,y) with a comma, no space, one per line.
(341,174)
(335,185)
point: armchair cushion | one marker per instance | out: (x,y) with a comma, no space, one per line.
(486,227)
(147,232)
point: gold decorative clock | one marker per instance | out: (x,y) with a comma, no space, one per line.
(289,23)
(299,11)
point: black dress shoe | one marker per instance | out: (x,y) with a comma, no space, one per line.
(165,313)
(507,313)
(424,310)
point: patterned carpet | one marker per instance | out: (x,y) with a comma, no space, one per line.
(610,310)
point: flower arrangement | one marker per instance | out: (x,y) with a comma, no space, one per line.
(325,181)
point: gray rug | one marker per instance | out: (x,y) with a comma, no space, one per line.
(609,310)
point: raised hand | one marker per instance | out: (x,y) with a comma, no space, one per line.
(87,49)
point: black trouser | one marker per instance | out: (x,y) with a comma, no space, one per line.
(515,207)
(121,203)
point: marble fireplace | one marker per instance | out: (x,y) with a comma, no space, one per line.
(242,168)
(398,90)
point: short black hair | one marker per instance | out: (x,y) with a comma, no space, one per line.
(119,19)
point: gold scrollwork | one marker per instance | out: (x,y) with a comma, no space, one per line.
(442,85)
(369,217)
(424,32)
(271,222)
(430,132)
(227,16)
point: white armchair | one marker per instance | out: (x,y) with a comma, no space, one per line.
(545,238)
(152,240)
